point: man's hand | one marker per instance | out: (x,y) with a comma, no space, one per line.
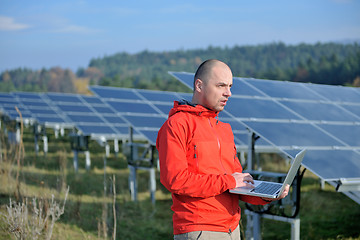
(243,180)
(284,194)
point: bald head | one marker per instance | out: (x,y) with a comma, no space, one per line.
(205,70)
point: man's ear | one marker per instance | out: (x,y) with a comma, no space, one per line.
(198,85)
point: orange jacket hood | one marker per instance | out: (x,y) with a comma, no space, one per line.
(185,106)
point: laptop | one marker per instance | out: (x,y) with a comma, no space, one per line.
(272,189)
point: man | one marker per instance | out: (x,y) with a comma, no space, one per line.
(198,161)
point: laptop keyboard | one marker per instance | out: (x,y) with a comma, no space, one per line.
(267,188)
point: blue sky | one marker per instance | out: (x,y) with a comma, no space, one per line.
(69,33)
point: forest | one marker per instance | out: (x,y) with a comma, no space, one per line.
(321,63)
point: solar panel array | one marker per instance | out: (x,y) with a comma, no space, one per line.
(88,114)
(288,116)
(39,110)
(7,106)
(291,116)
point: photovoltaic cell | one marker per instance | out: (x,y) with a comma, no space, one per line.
(85,118)
(92,100)
(146,122)
(103,109)
(331,163)
(34,104)
(165,109)
(354,109)
(47,111)
(132,107)
(125,130)
(49,119)
(344,133)
(115,93)
(63,98)
(29,96)
(185,78)
(320,111)
(157,96)
(115,120)
(336,93)
(244,108)
(95,129)
(150,134)
(281,89)
(293,134)
(241,87)
(75,108)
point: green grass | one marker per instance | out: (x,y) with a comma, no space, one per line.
(324,214)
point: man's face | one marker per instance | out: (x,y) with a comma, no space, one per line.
(216,91)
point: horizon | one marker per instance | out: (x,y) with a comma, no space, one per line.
(345,42)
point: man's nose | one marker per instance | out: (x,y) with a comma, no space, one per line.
(227,92)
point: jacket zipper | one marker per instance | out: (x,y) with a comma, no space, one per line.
(219,145)
(221,163)
(196,159)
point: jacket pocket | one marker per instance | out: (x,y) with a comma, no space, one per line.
(207,158)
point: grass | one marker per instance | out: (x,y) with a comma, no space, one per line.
(324,213)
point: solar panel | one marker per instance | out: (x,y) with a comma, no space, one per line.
(7,107)
(90,115)
(290,116)
(40,109)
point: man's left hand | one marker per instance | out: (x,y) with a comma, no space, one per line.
(284,194)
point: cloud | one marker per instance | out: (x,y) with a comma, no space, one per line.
(75,29)
(9,24)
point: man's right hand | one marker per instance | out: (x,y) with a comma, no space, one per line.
(243,180)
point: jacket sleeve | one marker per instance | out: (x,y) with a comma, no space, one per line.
(174,172)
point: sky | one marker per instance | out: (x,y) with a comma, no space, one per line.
(40,34)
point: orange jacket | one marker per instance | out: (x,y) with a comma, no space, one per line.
(197,157)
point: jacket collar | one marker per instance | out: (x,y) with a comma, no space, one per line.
(186,106)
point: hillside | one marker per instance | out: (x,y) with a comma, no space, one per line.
(325,63)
